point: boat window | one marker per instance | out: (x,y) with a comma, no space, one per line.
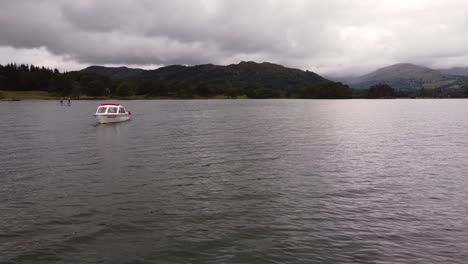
(122,110)
(102,110)
(112,110)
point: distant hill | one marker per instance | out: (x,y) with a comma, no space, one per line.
(116,73)
(458,71)
(408,77)
(243,75)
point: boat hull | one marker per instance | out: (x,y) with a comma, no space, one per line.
(104,119)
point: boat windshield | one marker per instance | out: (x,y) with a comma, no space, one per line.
(112,110)
(122,110)
(102,110)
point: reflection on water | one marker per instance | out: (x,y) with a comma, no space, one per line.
(235,181)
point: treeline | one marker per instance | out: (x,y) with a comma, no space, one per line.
(26,77)
(81,83)
(376,91)
(382,90)
(78,83)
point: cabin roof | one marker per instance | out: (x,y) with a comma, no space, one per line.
(109,104)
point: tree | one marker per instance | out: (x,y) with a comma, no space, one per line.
(61,84)
(96,88)
(263,93)
(181,89)
(231,92)
(204,90)
(159,88)
(326,90)
(2,82)
(76,90)
(144,87)
(125,89)
(381,91)
(422,92)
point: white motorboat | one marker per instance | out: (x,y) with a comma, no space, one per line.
(111,113)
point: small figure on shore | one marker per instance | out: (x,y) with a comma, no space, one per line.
(61,101)
(69,101)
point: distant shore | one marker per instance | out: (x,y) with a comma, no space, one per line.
(43,95)
(8,95)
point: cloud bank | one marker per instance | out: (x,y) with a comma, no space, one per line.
(328,37)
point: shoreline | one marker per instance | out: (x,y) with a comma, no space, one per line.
(9,95)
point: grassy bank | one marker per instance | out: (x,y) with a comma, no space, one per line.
(28,95)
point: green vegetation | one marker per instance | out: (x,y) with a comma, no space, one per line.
(27,95)
(381,91)
(243,80)
(326,90)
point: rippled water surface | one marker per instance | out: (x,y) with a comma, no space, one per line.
(235,181)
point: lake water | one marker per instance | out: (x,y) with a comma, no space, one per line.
(235,181)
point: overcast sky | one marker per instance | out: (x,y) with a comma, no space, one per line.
(328,37)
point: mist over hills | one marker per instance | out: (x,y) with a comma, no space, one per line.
(458,71)
(409,77)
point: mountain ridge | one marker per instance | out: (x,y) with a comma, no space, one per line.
(244,74)
(116,73)
(401,76)
(407,77)
(457,71)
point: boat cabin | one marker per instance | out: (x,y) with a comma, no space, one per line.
(111,109)
(111,113)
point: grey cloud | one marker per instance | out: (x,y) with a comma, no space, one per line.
(324,36)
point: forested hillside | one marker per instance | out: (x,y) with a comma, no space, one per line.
(247,80)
